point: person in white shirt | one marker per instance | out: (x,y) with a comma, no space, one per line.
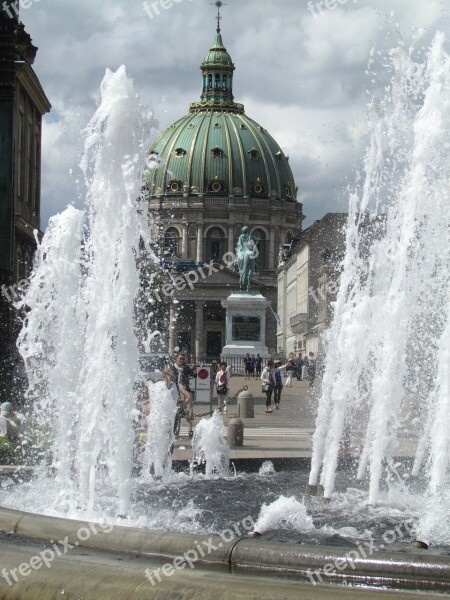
(222,386)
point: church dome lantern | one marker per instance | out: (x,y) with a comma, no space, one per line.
(216,148)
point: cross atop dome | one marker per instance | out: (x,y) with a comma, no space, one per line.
(219,4)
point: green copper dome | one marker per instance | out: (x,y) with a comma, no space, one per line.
(216,149)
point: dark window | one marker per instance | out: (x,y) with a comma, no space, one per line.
(215,244)
(260,237)
(171,242)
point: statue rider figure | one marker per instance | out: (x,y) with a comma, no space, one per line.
(246,255)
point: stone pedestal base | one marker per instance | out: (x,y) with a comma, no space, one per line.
(245,324)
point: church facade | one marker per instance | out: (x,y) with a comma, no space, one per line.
(22,105)
(212,172)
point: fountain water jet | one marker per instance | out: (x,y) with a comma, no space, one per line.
(393,303)
(209,446)
(78,338)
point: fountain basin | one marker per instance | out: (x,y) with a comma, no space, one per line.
(239,558)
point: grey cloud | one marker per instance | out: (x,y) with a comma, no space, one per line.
(289,65)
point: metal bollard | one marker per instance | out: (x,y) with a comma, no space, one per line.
(235,433)
(245,406)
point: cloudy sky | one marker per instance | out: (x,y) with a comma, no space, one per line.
(301,72)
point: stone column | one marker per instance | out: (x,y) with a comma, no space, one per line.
(184,242)
(199,333)
(272,249)
(199,242)
(231,238)
(171,328)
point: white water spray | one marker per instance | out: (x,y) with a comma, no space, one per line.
(387,362)
(209,445)
(78,340)
(160,437)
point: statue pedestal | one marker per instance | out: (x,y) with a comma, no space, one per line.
(245,324)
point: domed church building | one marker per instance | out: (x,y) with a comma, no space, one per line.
(216,170)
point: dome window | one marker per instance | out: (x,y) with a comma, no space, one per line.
(216,185)
(175,186)
(253,153)
(279,155)
(180,152)
(243,126)
(217,125)
(286,193)
(257,188)
(217,152)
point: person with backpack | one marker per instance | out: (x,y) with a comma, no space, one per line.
(222,386)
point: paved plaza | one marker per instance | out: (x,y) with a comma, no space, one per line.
(285,433)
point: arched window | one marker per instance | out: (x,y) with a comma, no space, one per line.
(288,238)
(215,244)
(286,191)
(260,237)
(171,242)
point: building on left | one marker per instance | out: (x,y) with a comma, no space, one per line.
(22,104)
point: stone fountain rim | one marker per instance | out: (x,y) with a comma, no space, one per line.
(412,570)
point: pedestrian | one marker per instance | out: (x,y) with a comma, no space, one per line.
(298,367)
(252,366)
(290,369)
(222,386)
(268,384)
(305,368)
(279,381)
(247,359)
(311,368)
(9,429)
(258,365)
(182,374)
